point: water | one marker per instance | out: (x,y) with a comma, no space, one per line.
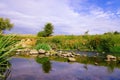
(29,69)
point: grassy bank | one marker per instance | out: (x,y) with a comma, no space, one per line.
(100,43)
(109,43)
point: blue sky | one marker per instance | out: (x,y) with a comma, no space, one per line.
(67,16)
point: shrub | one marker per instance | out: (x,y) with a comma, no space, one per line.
(43,46)
(41,34)
(101,44)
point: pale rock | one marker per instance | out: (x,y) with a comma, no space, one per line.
(71,59)
(41,51)
(33,51)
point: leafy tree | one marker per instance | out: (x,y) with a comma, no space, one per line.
(116,32)
(5,24)
(48,30)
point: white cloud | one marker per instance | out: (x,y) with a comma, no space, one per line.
(33,14)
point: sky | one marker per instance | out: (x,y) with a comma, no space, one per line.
(68,16)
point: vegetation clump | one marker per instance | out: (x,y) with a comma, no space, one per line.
(48,30)
(43,46)
(5,24)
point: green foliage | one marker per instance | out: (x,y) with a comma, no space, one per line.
(43,46)
(48,30)
(6,47)
(101,44)
(41,34)
(5,24)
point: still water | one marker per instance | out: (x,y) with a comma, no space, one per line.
(29,69)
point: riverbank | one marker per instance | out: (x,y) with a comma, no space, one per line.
(109,43)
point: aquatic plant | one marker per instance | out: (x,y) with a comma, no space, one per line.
(7,45)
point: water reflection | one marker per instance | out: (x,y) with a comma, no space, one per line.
(24,69)
(46,64)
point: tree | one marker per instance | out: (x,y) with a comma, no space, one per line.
(86,32)
(116,32)
(5,24)
(48,30)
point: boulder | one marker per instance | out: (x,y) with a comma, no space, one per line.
(111,58)
(34,52)
(41,51)
(70,59)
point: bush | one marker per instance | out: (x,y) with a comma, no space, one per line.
(41,34)
(43,46)
(48,30)
(101,44)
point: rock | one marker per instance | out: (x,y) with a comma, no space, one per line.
(96,63)
(69,54)
(64,55)
(59,54)
(84,55)
(41,51)
(47,54)
(70,59)
(52,52)
(77,54)
(97,54)
(72,56)
(26,43)
(19,51)
(111,58)
(73,53)
(34,52)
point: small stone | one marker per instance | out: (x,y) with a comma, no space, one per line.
(41,51)
(33,51)
(64,55)
(111,58)
(96,63)
(77,54)
(71,59)
(47,54)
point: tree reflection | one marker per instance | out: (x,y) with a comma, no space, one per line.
(46,65)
